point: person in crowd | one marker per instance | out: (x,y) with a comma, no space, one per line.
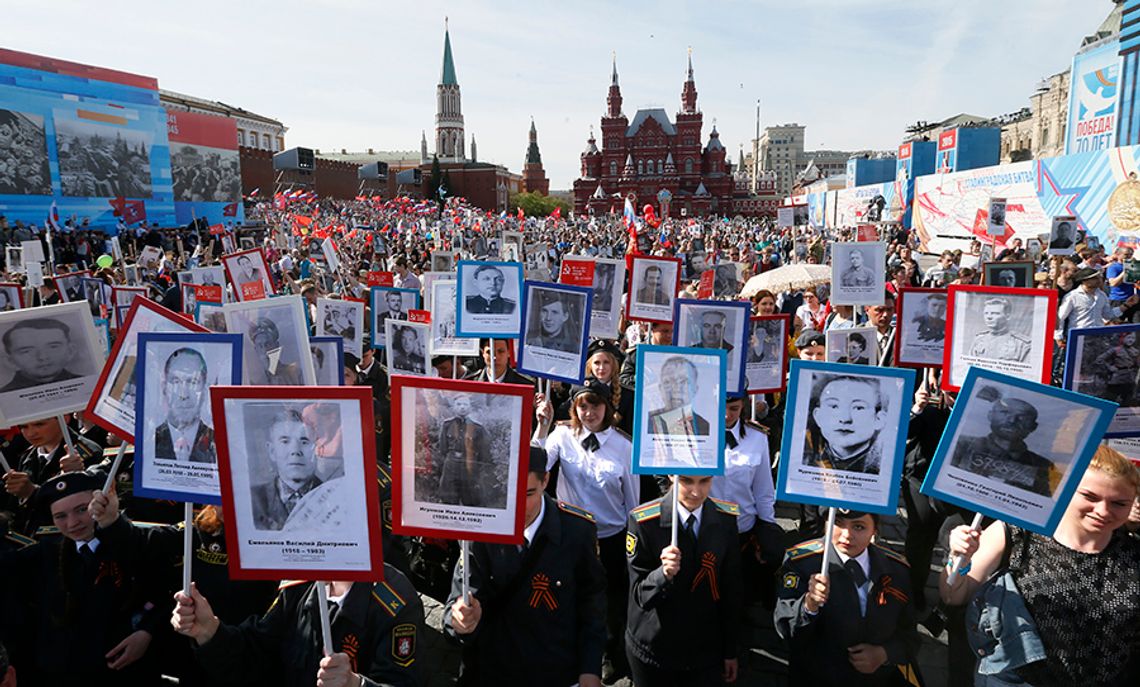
(811,314)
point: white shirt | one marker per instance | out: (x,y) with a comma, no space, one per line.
(600,482)
(864,561)
(532,529)
(683,517)
(1081,309)
(92,544)
(408,281)
(747,478)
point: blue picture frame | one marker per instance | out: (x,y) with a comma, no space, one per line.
(141,460)
(716,429)
(339,343)
(198,310)
(583,330)
(465,326)
(374,293)
(1064,492)
(896,424)
(740,347)
(1074,346)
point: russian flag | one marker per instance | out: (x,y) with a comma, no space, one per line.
(53,217)
(629,215)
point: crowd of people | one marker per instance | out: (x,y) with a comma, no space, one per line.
(600,591)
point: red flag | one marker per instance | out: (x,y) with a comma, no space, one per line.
(557,214)
(521,215)
(217,229)
(134,211)
(117,205)
(230,210)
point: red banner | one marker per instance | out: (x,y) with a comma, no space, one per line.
(208,292)
(253,290)
(708,278)
(380,279)
(577,272)
(423,316)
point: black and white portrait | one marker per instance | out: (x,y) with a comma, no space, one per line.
(1063,235)
(390,303)
(858,273)
(344,319)
(555,337)
(275,340)
(605,312)
(211,316)
(102,160)
(679,425)
(996,217)
(511,248)
(695,264)
(489,295)
(14,259)
(766,360)
(729,279)
(202,174)
(249,273)
(443,340)
(715,325)
(653,289)
(1008,274)
(443,260)
(11,297)
(921,330)
(407,348)
(854,346)
(1000,331)
(1104,362)
(51,361)
(328,359)
(24,169)
(70,287)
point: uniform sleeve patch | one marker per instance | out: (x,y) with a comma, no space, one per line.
(791,580)
(404,644)
(630,543)
(388,598)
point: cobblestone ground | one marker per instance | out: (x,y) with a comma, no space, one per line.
(764,661)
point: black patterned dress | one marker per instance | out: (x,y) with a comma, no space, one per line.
(1086,606)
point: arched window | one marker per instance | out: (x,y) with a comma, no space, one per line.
(660,166)
(688,165)
(649,167)
(640,168)
(613,168)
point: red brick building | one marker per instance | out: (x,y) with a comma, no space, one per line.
(534,176)
(653,154)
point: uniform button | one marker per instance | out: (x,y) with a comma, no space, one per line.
(981,652)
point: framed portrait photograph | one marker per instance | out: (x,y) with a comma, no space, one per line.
(1015,449)
(249,273)
(298,475)
(70,286)
(212,316)
(344,319)
(715,325)
(113,400)
(654,282)
(678,423)
(1000,329)
(605,312)
(920,334)
(51,360)
(176,456)
(443,340)
(696,264)
(854,346)
(275,340)
(844,435)
(1063,235)
(487,300)
(443,260)
(728,280)
(131,274)
(995,225)
(858,272)
(14,259)
(407,349)
(1008,274)
(98,295)
(11,296)
(555,337)
(390,303)
(511,248)
(210,282)
(328,359)
(459,458)
(125,295)
(1104,362)
(247,242)
(766,362)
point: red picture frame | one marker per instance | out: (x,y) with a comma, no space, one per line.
(93,410)
(19,292)
(63,292)
(900,300)
(787,318)
(949,352)
(400,447)
(630,261)
(235,532)
(232,257)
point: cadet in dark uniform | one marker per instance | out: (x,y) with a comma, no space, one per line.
(684,600)
(46,458)
(854,626)
(375,628)
(537,612)
(489,281)
(1002,454)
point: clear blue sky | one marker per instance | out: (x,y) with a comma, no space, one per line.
(360,74)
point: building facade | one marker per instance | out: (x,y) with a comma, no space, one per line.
(653,157)
(534,176)
(253,130)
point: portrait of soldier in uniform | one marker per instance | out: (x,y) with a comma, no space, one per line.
(465,449)
(845,418)
(408,351)
(268,367)
(291,450)
(552,323)
(184,436)
(930,325)
(488,299)
(604,274)
(1002,454)
(678,383)
(857,273)
(997,342)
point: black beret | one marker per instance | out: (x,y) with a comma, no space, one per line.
(810,337)
(593,386)
(607,346)
(67,484)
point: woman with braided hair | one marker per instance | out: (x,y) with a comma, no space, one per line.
(603,363)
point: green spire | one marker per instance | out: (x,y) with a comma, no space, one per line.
(447,77)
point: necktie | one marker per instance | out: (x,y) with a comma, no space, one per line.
(590,443)
(333,608)
(729,439)
(690,530)
(87,556)
(856,572)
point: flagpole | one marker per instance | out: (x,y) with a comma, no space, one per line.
(326,625)
(187,545)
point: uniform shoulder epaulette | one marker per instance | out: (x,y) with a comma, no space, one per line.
(647,511)
(148,525)
(46,530)
(388,598)
(575,510)
(804,549)
(19,539)
(726,506)
(113,451)
(383,477)
(893,555)
(752,424)
(285,584)
(621,432)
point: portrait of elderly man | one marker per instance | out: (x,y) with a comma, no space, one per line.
(712,324)
(845,417)
(554,330)
(391,309)
(857,273)
(184,437)
(997,341)
(40,349)
(266,367)
(290,447)
(678,385)
(1003,455)
(489,281)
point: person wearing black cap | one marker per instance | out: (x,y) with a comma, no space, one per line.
(594,463)
(856,624)
(603,361)
(96,613)
(812,345)
(536,611)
